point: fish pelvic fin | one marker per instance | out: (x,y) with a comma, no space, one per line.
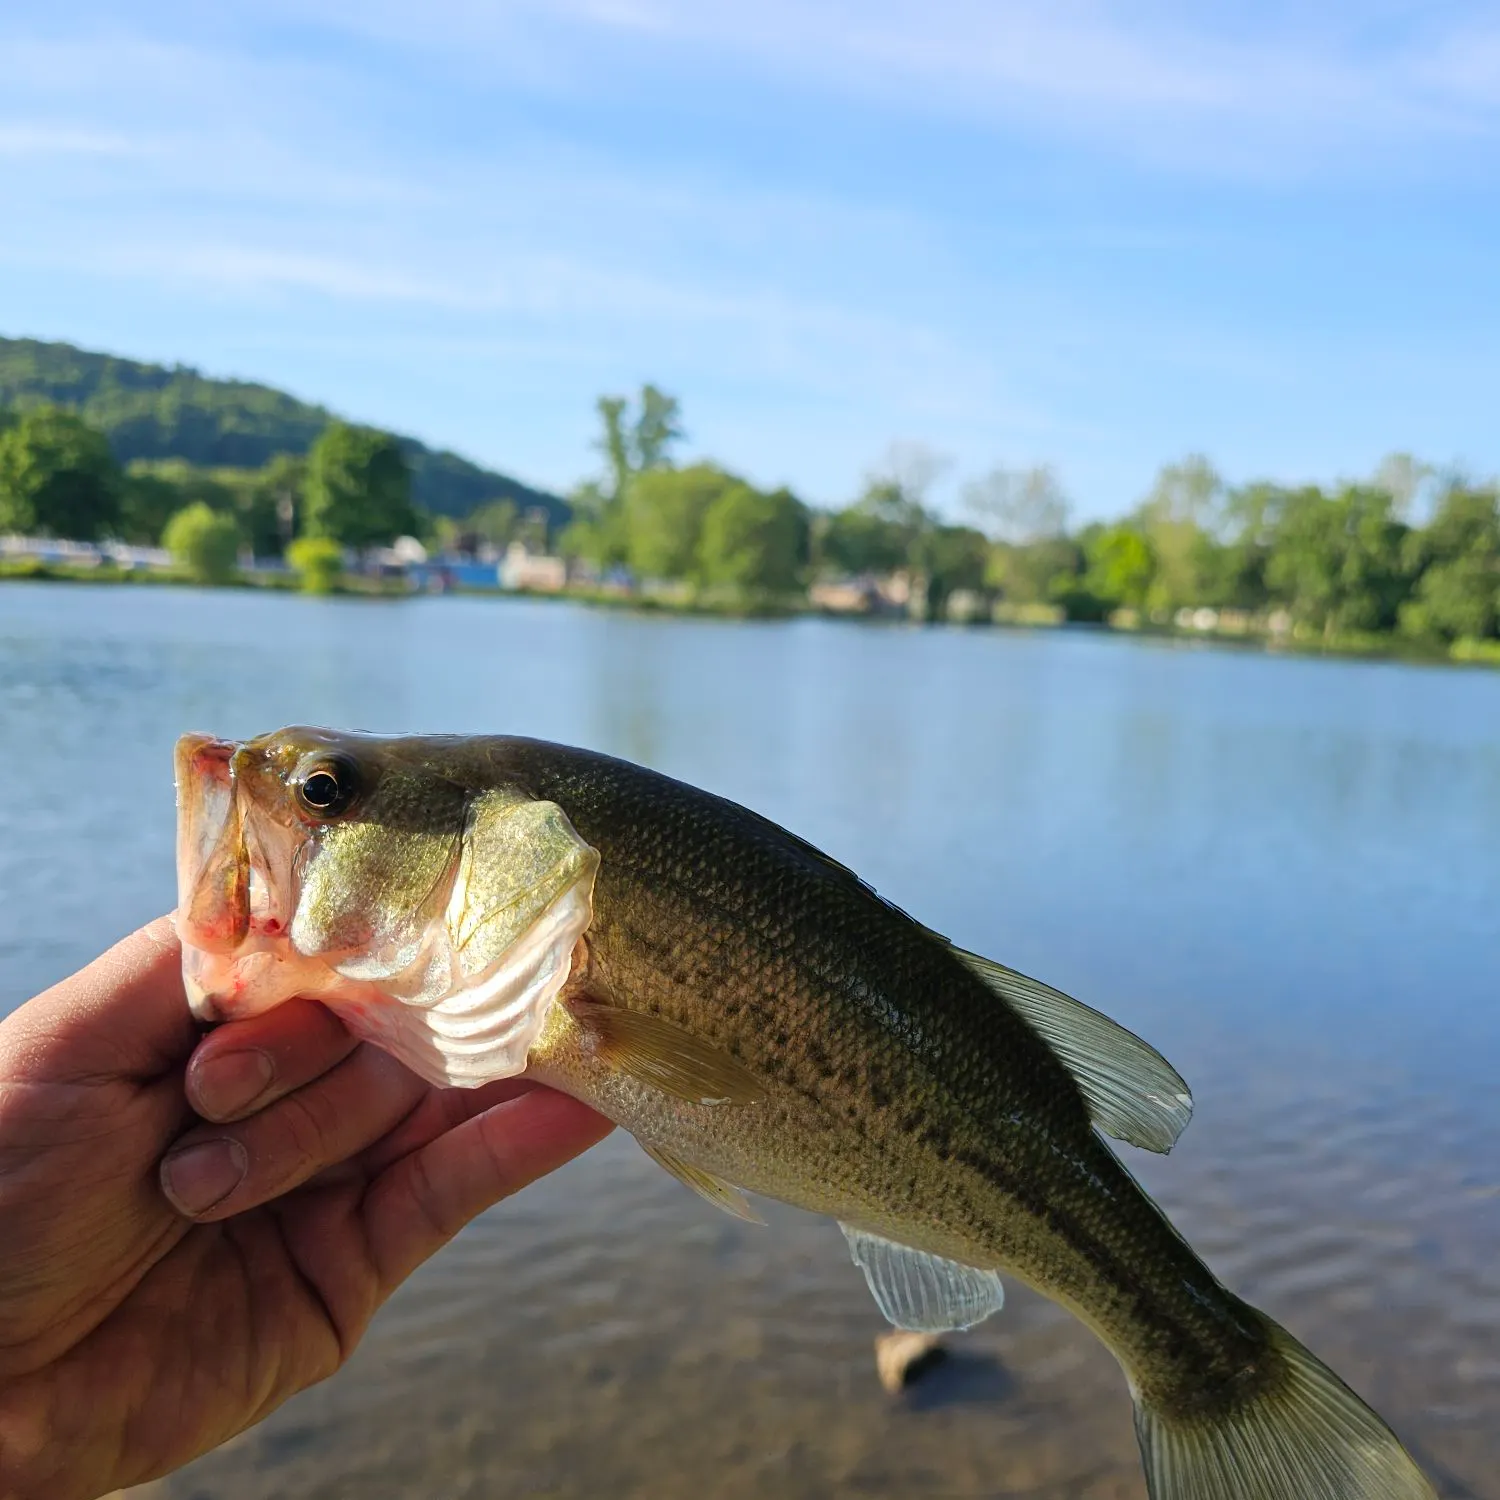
(1302,1433)
(663,1056)
(923,1292)
(1133,1093)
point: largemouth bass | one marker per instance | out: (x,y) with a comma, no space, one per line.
(761,1021)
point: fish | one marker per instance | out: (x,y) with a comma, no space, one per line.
(764,1023)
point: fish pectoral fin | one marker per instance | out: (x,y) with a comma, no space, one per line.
(716,1190)
(920,1291)
(1133,1092)
(664,1056)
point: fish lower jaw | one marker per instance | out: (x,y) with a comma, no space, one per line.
(233,987)
(201,1002)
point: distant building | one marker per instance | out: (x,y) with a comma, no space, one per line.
(1202,618)
(864,594)
(84,554)
(965,606)
(530,572)
(843,596)
(406,557)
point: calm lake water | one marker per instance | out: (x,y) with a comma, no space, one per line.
(1285,873)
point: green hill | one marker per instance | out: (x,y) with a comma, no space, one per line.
(160,412)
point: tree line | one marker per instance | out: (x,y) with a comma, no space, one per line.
(59,477)
(1340,562)
(1410,552)
(711,530)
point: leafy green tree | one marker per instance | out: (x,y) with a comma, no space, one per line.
(658,429)
(358,488)
(858,541)
(147,502)
(899,508)
(1336,562)
(274,507)
(597,531)
(1121,567)
(1238,573)
(1034,572)
(951,558)
(263,502)
(1019,507)
(614,444)
(883,529)
(1376,577)
(317,561)
(1458,557)
(205,541)
(639,442)
(58,477)
(664,515)
(753,542)
(1179,519)
(632,443)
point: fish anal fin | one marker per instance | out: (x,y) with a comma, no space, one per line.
(664,1056)
(923,1292)
(1133,1092)
(713,1189)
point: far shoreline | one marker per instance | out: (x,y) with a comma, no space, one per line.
(1369,647)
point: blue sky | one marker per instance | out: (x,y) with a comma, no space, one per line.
(1091,235)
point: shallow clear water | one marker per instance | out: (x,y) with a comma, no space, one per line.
(1285,873)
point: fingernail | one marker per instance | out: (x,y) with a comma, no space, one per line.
(199,1177)
(230,1082)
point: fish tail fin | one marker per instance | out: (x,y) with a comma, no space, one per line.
(1302,1435)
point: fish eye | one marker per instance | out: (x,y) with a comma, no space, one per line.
(328,787)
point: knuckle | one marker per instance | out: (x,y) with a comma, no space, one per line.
(305,1127)
(428,1201)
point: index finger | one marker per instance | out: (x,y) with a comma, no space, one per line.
(243,1066)
(124,1015)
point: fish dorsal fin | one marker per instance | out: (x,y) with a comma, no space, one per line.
(921,1291)
(664,1056)
(1133,1092)
(714,1189)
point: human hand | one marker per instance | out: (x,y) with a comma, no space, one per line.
(150,1309)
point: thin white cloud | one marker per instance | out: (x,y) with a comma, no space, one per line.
(1173,83)
(1302,93)
(27,138)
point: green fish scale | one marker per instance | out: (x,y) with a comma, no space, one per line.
(906,1097)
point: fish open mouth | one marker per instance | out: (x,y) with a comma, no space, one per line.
(213,869)
(234,885)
